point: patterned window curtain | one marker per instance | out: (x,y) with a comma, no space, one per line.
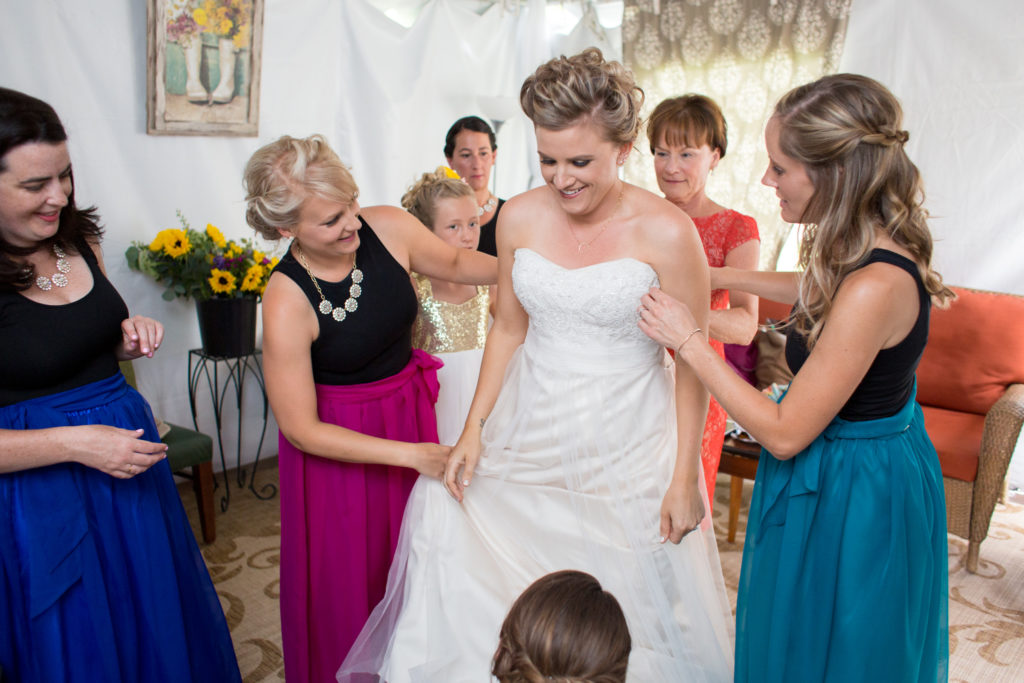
(744,54)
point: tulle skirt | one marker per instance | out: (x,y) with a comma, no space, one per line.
(457,381)
(578,451)
(845,565)
(340,520)
(100,578)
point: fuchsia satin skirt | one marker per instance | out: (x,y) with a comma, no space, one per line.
(340,520)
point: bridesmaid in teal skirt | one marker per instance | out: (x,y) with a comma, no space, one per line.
(844,565)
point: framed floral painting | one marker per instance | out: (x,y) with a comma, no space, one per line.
(203,60)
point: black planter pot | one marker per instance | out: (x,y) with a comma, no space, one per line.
(227,327)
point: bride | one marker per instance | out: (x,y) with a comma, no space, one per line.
(581,450)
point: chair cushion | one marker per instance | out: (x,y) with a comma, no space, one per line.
(957,439)
(974,351)
(187,447)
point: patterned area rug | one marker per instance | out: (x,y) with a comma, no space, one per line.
(986,610)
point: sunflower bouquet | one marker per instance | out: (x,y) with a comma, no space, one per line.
(201,265)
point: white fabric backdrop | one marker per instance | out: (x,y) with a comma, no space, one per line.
(382,94)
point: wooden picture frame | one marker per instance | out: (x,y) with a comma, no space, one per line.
(203,67)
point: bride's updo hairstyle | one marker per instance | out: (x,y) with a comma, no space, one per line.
(421,199)
(281,175)
(567,90)
(845,130)
(564,628)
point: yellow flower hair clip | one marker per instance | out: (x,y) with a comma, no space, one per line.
(448,172)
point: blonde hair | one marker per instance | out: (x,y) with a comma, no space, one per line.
(692,120)
(566,90)
(421,198)
(563,628)
(280,176)
(845,130)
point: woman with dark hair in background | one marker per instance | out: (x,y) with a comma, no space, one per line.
(471,149)
(100,575)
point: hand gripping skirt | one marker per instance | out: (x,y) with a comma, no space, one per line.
(340,520)
(101,578)
(845,565)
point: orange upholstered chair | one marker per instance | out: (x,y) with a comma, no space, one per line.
(970,385)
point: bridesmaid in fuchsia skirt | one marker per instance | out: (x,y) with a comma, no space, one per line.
(353,400)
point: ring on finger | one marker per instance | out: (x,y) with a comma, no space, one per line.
(131,468)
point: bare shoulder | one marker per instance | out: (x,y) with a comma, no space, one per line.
(878,287)
(664,230)
(521,213)
(384,216)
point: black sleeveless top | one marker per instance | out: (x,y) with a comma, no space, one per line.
(488,242)
(889,381)
(48,349)
(373,342)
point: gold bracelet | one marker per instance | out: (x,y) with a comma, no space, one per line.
(679,349)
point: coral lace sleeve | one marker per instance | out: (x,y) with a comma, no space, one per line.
(740,229)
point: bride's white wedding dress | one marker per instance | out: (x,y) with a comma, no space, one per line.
(578,453)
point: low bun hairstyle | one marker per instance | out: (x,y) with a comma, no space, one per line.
(280,176)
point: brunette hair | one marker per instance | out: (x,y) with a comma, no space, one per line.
(473,123)
(566,90)
(845,130)
(25,120)
(280,176)
(563,628)
(691,120)
(421,198)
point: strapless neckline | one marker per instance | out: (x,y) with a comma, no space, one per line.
(586,267)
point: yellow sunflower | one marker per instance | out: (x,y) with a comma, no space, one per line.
(253,278)
(233,250)
(221,281)
(216,235)
(199,14)
(158,242)
(176,242)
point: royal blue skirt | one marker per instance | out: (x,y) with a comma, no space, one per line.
(101,578)
(845,567)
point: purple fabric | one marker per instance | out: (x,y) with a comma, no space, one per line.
(340,520)
(743,359)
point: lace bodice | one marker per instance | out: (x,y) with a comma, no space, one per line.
(592,306)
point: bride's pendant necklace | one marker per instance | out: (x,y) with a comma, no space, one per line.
(487,206)
(582,246)
(58,279)
(326,307)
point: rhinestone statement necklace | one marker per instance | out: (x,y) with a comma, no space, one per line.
(326,307)
(487,206)
(58,279)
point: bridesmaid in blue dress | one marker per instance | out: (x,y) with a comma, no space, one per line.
(100,576)
(844,572)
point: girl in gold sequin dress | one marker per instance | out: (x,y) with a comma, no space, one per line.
(453,318)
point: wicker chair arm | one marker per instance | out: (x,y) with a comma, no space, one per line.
(1002,428)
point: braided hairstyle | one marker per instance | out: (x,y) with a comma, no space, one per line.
(281,175)
(421,198)
(566,90)
(564,628)
(845,130)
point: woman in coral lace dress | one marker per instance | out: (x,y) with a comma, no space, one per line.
(688,138)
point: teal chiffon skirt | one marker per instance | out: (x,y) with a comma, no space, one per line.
(845,565)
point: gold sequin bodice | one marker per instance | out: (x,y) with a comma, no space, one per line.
(443,327)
